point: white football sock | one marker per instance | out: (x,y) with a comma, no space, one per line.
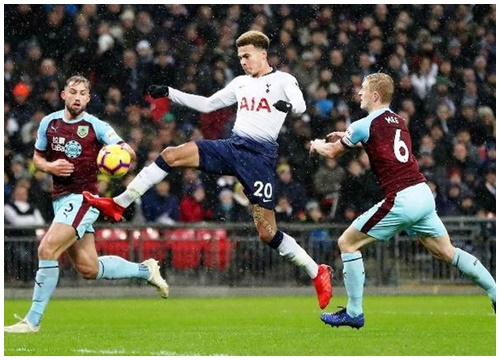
(145,180)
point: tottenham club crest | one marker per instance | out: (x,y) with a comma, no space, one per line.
(82,131)
(73,149)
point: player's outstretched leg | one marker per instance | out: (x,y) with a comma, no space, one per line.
(156,279)
(342,318)
(113,267)
(323,285)
(106,205)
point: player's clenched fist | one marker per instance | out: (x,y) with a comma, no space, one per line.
(283,106)
(158,91)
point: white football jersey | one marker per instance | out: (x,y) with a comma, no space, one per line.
(256,116)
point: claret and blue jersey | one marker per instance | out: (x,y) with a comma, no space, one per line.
(77,141)
(387,142)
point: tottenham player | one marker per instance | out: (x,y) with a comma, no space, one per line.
(66,147)
(264,97)
(408,205)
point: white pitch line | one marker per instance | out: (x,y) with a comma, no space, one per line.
(127,352)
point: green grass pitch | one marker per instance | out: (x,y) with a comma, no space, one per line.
(267,326)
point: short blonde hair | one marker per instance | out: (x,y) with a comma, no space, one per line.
(255,38)
(383,84)
(78,79)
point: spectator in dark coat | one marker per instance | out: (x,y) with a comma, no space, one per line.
(159,206)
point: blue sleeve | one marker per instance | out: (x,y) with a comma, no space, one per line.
(356,132)
(105,133)
(41,136)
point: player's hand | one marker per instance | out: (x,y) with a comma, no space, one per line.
(61,167)
(158,91)
(315,144)
(283,106)
(334,136)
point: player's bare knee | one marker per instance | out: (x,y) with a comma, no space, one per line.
(344,245)
(46,252)
(168,155)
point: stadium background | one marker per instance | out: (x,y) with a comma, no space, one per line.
(442,57)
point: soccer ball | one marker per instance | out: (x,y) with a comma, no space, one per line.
(113,160)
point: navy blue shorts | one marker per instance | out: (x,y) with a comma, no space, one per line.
(253,163)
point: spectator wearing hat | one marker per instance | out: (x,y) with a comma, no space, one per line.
(228,209)
(20,114)
(440,94)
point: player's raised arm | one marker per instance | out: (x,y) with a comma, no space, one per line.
(327,149)
(222,98)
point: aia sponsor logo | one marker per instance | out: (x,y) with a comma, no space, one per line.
(255,105)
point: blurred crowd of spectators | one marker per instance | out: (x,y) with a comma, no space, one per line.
(442,59)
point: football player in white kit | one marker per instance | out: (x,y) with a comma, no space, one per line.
(264,96)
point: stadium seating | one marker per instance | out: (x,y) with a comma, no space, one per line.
(112,242)
(186,249)
(149,243)
(217,249)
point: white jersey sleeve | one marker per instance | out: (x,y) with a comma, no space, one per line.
(221,99)
(295,96)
